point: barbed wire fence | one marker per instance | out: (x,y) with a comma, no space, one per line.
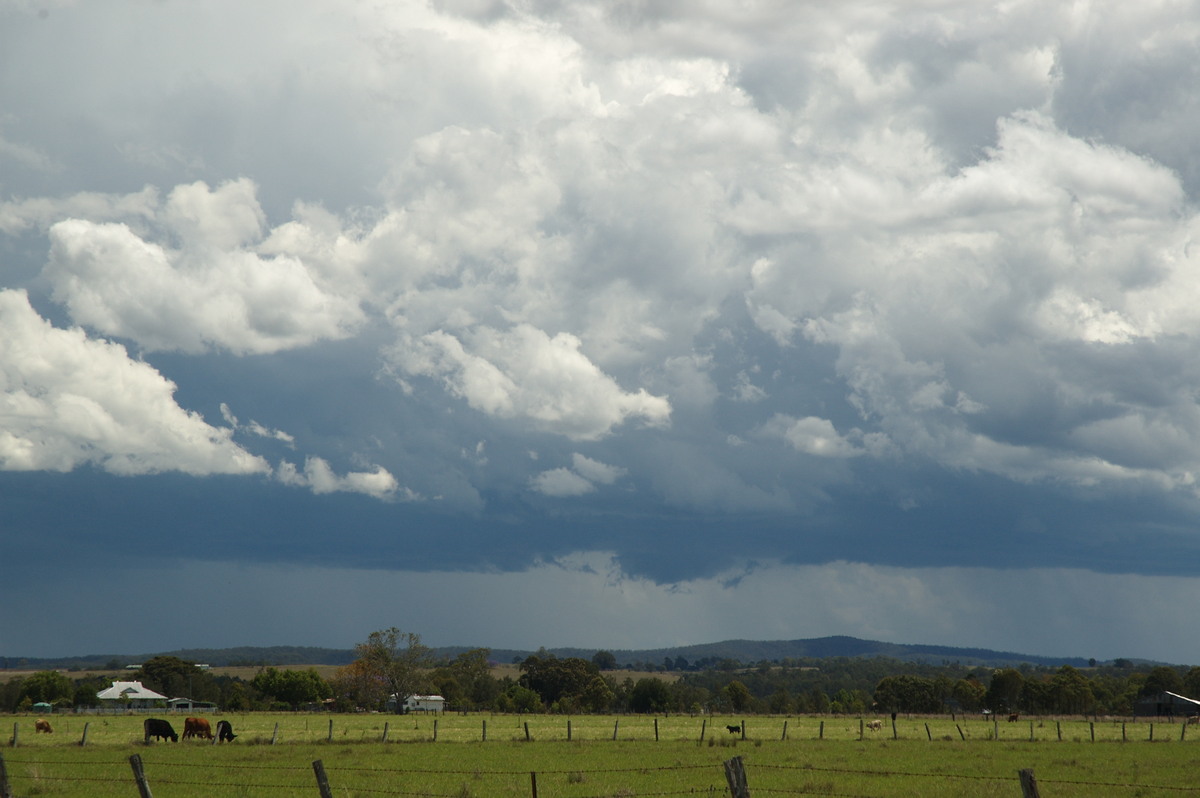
(736,781)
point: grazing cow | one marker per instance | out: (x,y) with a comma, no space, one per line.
(875,725)
(159,730)
(225,731)
(1013,718)
(196,727)
(734,729)
(1193,719)
(40,725)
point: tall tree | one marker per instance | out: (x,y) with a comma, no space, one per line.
(397,660)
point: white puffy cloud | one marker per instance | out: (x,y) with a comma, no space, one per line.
(811,435)
(319,477)
(214,291)
(561,482)
(524,373)
(68,400)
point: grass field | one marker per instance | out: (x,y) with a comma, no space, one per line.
(815,759)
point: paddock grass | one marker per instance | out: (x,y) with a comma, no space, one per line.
(591,764)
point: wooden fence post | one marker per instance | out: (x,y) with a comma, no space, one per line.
(616,724)
(895,736)
(275,734)
(928,733)
(533,782)
(329,738)
(1058,725)
(743,728)
(861,726)
(703,728)
(83,740)
(386,726)
(526,731)
(16,733)
(568,730)
(821,733)
(139,775)
(1030,731)
(1029,788)
(961,736)
(322,779)
(656,730)
(485,730)
(435,721)
(735,774)
(784,735)
(5,787)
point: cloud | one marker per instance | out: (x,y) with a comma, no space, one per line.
(561,482)
(319,477)
(68,400)
(524,373)
(811,435)
(214,291)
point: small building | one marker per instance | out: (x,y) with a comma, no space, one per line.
(419,703)
(131,694)
(1166,705)
(42,708)
(190,705)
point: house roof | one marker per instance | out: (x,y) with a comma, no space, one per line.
(129,691)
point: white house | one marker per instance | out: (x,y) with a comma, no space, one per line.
(419,703)
(133,694)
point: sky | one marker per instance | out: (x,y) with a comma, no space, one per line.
(616,324)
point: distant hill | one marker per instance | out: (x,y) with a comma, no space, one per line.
(745,651)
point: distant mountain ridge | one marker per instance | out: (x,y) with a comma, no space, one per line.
(744,651)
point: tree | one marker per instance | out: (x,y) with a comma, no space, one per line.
(1162,679)
(396,661)
(1004,693)
(605,660)
(650,695)
(555,679)
(48,686)
(292,687)
(739,695)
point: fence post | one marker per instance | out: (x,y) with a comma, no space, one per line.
(656,730)
(961,736)
(616,725)
(821,733)
(735,774)
(1122,731)
(386,726)
(784,735)
(928,733)
(1058,725)
(322,779)
(1030,731)
(533,782)
(895,736)
(5,788)
(743,728)
(568,730)
(703,728)
(1151,732)
(526,731)
(275,734)
(139,775)
(16,733)
(485,730)
(1029,788)
(330,737)
(861,726)
(435,721)
(83,740)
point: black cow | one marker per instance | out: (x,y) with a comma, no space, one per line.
(734,729)
(159,730)
(225,731)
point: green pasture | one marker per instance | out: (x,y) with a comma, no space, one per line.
(936,756)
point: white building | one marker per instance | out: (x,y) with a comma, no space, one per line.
(133,694)
(419,703)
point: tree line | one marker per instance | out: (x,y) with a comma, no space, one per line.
(392,665)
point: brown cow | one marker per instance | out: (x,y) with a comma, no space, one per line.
(196,727)
(875,725)
(1013,718)
(40,725)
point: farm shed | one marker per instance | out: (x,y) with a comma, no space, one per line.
(133,694)
(189,705)
(1166,704)
(420,703)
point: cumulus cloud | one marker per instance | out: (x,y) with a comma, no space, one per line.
(213,291)
(67,400)
(320,478)
(525,373)
(580,479)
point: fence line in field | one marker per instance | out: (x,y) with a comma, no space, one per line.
(737,787)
